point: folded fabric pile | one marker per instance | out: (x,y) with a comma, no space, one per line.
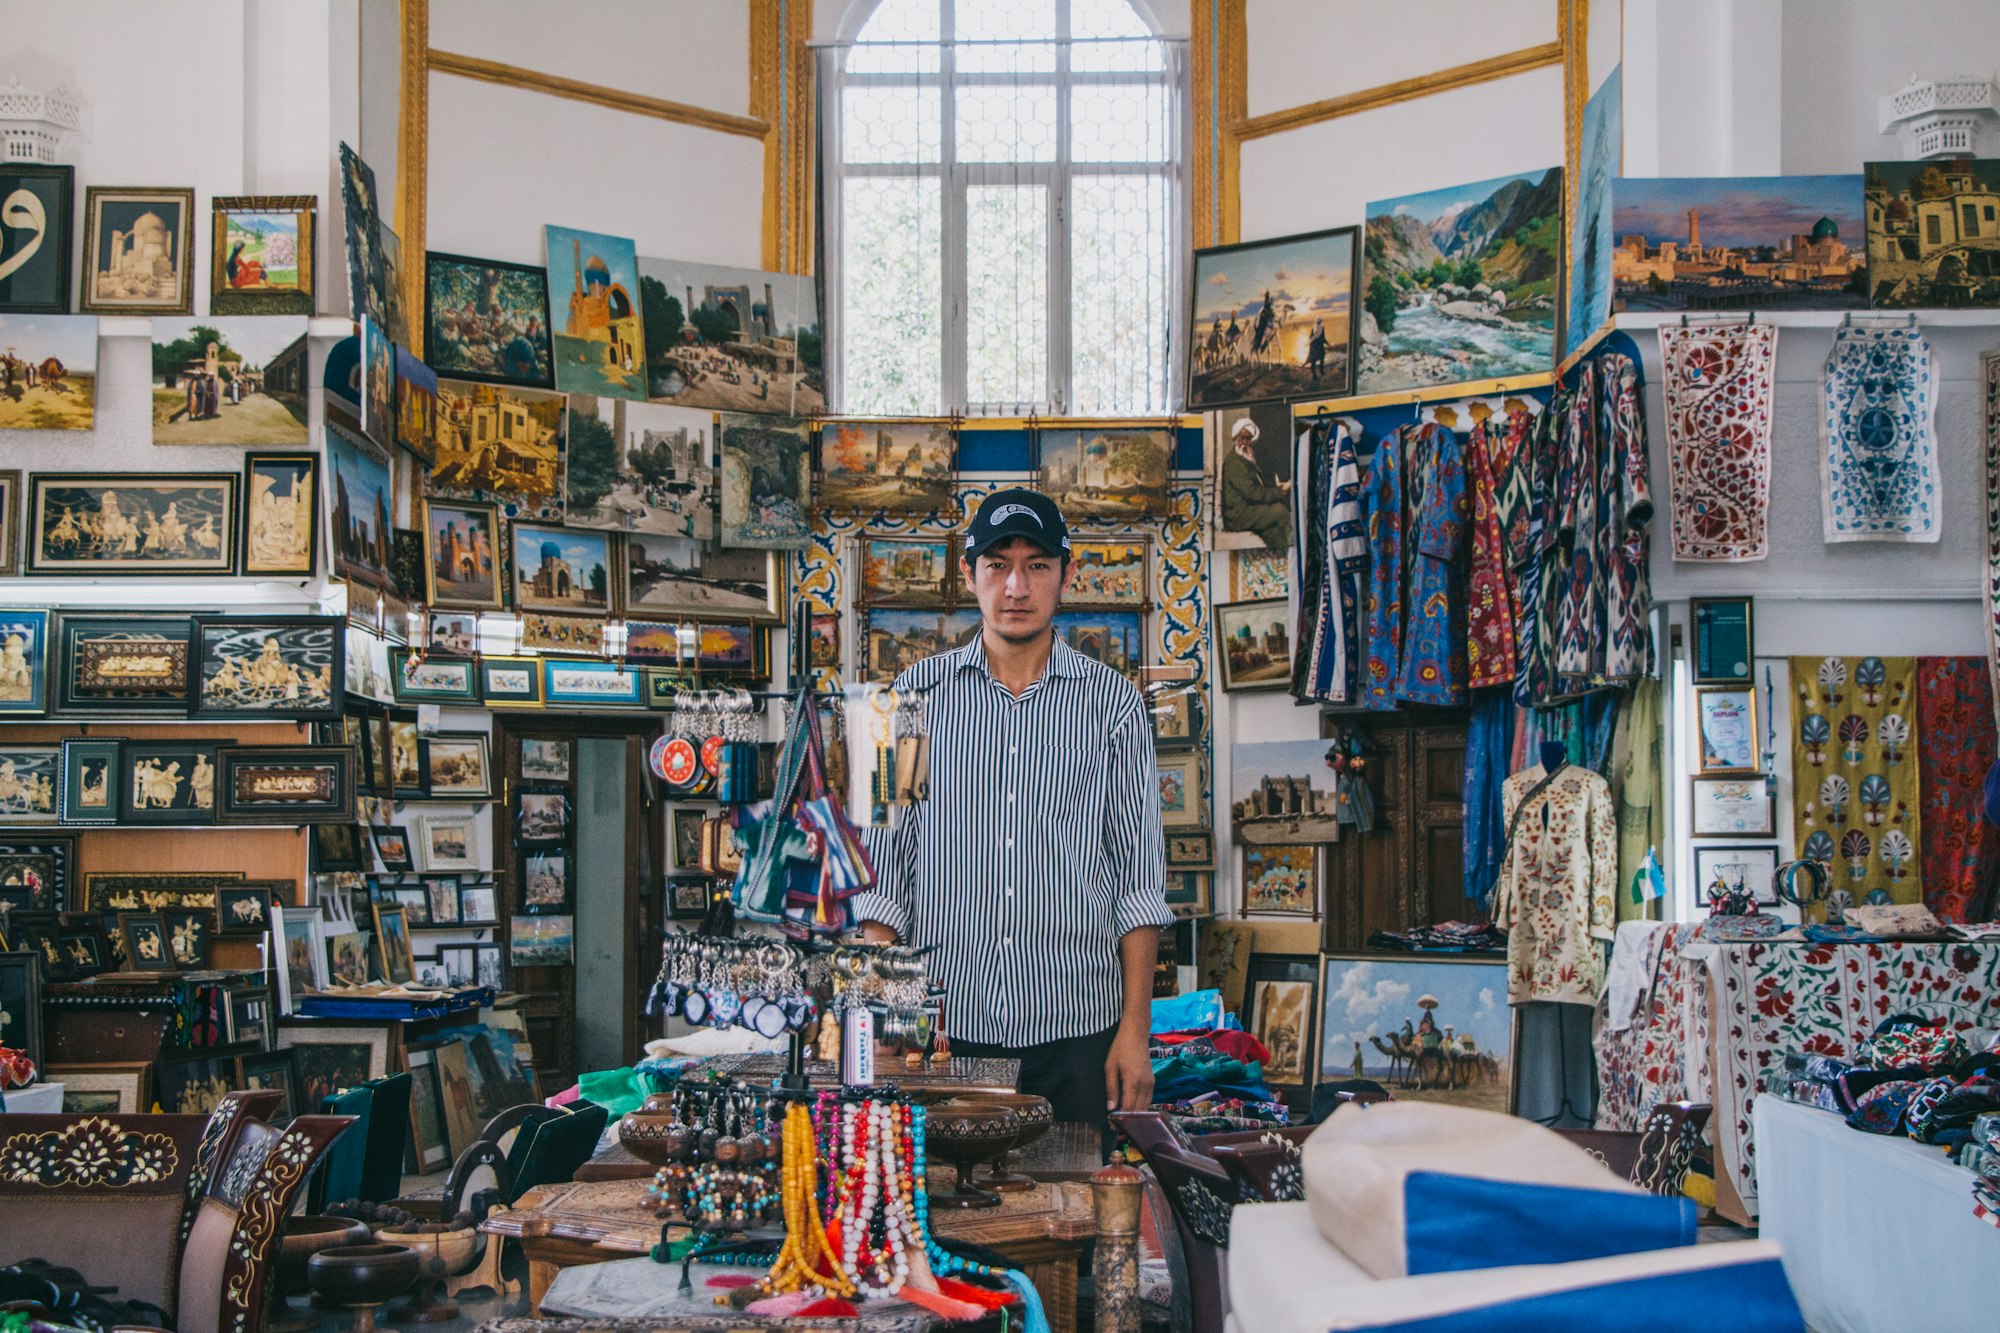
(1981,1154)
(1218,1062)
(1916,1076)
(1449,937)
(1223,1115)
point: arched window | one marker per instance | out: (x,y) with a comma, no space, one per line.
(1003,208)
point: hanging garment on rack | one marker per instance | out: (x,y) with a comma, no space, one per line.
(1332,550)
(1557,885)
(1489,739)
(1878,464)
(1584,523)
(1382,511)
(1540,573)
(1629,584)
(1491,602)
(1638,752)
(1989,367)
(1434,631)
(1717,387)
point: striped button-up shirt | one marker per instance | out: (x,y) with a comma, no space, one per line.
(1039,847)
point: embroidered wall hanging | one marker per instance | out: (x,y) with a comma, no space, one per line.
(1718,413)
(1878,463)
(1955,712)
(1854,771)
(1990,366)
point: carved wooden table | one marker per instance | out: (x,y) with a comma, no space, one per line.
(1044,1232)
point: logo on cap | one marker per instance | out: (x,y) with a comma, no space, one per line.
(1005,512)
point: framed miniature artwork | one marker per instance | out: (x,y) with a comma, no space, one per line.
(1726,726)
(1254,640)
(1190,850)
(37,869)
(689,898)
(1188,892)
(545,881)
(21,1004)
(147,948)
(10,522)
(449,842)
(1724,641)
(138,251)
(110,1088)
(190,934)
(825,646)
(336,847)
(1282,1004)
(288,784)
(541,941)
(361,476)
(348,961)
(167,782)
(89,780)
(35,224)
(487,321)
(510,682)
(546,760)
(262,259)
(462,555)
(271,1071)
(1732,807)
(591,684)
(243,910)
(460,768)
(331,1058)
(122,663)
(24,661)
(88,951)
(125,524)
(277,668)
(1280,880)
(392,847)
(542,816)
(1109,573)
(1175,720)
(454,634)
(421,678)
(229,381)
(1179,779)
(1750,869)
(280,514)
(406,754)
(684,837)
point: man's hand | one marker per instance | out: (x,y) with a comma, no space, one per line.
(1128,1072)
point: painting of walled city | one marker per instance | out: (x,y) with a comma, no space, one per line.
(1934,232)
(1738,243)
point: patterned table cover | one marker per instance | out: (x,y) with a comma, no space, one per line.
(1663,1055)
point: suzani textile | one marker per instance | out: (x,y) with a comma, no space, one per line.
(1878,438)
(1773,999)
(1663,1055)
(1854,771)
(1955,708)
(1718,380)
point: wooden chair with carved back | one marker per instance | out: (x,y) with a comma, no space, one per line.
(1656,1156)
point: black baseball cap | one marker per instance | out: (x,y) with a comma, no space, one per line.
(1017,512)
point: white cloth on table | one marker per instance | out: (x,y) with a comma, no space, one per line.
(1635,956)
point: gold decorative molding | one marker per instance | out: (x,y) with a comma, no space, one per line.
(1404,90)
(781,95)
(1221,97)
(413,161)
(1574,39)
(638,104)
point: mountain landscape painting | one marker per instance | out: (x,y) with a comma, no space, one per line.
(1461,284)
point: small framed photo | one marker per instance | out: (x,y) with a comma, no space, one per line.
(459,766)
(1747,868)
(542,816)
(1254,640)
(242,910)
(450,842)
(478,905)
(443,901)
(336,847)
(138,251)
(688,899)
(415,900)
(262,259)
(420,678)
(1190,850)
(1724,639)
(454,633)
(510,682)
(541,941)
(1280,880)
(90,780)
(392,847)
(1733,807)
(1189,892)
(545,881)
(546,760)
(147,948)
(1179,779)
(1176,721)
(458,963)
(1726,724)
(684,837)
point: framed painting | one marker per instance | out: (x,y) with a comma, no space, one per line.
(460,767)
(60,392)
(122,663)
(262,261)
(35,229)
(1591,247)
(591,684)
(10,522)
(1724,639)
(428,1150)
(420,678)
(280,515)
(300,954)
(271,1071)
(1732,807)
(416,404)
(243,910)
(525,478)
(600,343)
(547,760)
(348,960)
(111,1088)
(1280,880)
(87,950)
(453,633)
(1106,471)
(392,847)
(1928,233)
(561,569)
(689,899)
(1282,792)
(684,837)
(1251,448)
(448,842)
(478,905)
(1274,319)
(576,634)
(406,754)
(546,886)
(88,786)
(510,682)
(111,524)
(24,661)
(336,847)
(288,784)
(1750,869)
(462,555)
(332,1058)
(1282,999)
(900,466)
(147,948)
(37,870)
(541,941)
(640,467)
(1176,719)
(363,510)
(666,579)
(1430,1029)
(1111,635)
(892,640)
(278,668)
(1179,780)
(543,816)
(766,482)
(1257,575)
(443,904)
(167,782)
(392,942)
(906,571)
(1190,849)
(1700,243)
(378,385)
(719,329)
(193,1084)
(1189,892)
(1726,727)
(138,251)
(825,646)
(29,775)
(1109,573)
(1255,640)
(229,381)
(191,936)
(21,1004)
(487,320)
(741,652)
(360,209)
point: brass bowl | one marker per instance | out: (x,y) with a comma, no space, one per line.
(966,1133)
(1036,1115)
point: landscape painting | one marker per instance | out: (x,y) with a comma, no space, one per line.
(132,523)
(262,258)
(766,482)
(1107,473)
(1429,1030)
(893,639)
(1273,319)
(500,444)
(600,342)
(1461,284)
(888,467)
(639,467)
(731,339)
(1599,158)
(48,372)
(667,577)
(556,569)
(229,381)
(488,321)
(1738,243)
(363,504)
(1933,237)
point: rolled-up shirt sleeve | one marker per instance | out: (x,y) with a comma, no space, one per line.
(1135,849)
(892,851)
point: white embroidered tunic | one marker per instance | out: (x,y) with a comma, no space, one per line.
(1555,898)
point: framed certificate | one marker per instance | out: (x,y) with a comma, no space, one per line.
(1724,639)
(1732,807)
(1726,724)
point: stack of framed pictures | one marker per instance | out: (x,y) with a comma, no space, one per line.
(540,930)
(99,781)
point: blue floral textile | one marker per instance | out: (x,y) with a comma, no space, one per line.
(1878,437)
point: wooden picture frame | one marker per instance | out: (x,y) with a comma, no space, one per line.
(234,286)
(67,518)
(90,780)
(1190,893)
(419,677)
(458,766)
(269,668)
(1725,647)
(463,570)
(243,911)
(24,657)
(287,784)
(1281,1002)
(1251,664)
(121,265)
(38,281)
(439,835)
(168,782)
(1178,777)
(147,948)
(443,900)
(332,1057)
(1726,736)
(392,943)
(269,518)
(122,664)
(546,758)
(274,1071)
(392,847)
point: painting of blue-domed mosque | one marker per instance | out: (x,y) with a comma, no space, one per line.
(1738,243)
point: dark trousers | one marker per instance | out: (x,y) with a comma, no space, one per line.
(1069,1072)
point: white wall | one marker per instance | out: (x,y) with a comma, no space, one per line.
(1298,53)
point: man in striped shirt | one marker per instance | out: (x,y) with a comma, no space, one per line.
(1036,870)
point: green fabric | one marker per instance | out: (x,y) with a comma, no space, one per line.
(1636,768)
(616,1090)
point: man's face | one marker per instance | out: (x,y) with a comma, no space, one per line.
(1019,586)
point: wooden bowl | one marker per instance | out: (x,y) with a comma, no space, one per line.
(1036,1115)
(362,1277)
(966,1133)
(440,1255)
(653,1134)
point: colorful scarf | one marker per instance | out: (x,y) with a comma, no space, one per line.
(1855,752)
(1955,708)
(1878,438)
(1718,384)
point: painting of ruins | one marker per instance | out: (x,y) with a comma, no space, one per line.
(1738,243)
(1933,232)
(731,339)
(599,344)
(1273,319)
(48,372)
(888,467)
(229,381)
(1429,1030)
(1282,792)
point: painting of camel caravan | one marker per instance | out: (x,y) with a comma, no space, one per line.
(1273,319)
(131,523)
(48,372)
(1429,1030)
